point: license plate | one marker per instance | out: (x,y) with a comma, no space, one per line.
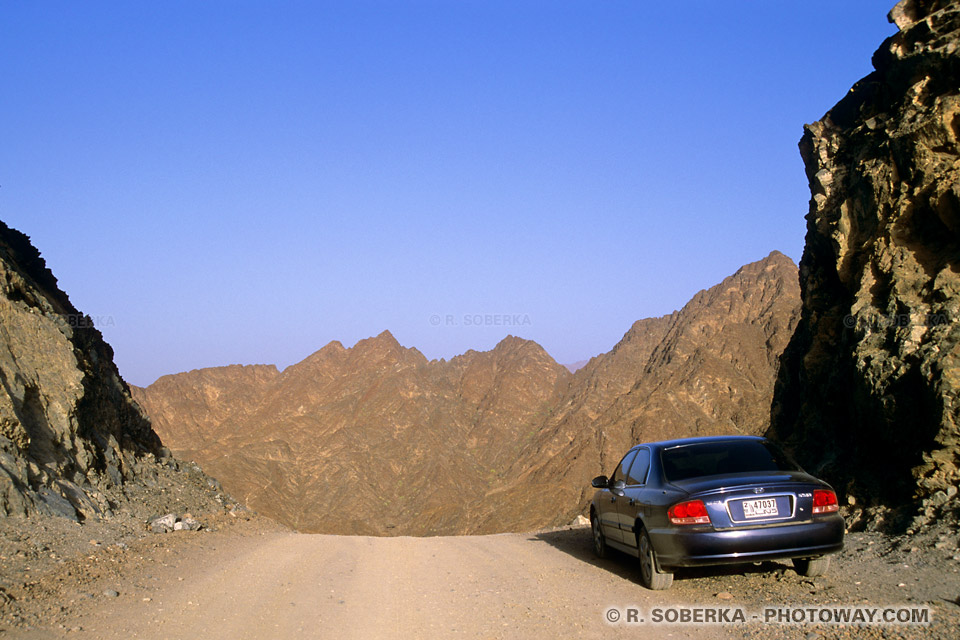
(762,508)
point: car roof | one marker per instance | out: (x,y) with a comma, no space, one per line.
(678,442)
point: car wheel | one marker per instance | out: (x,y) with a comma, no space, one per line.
(650,576)
(811,566)
(599,542)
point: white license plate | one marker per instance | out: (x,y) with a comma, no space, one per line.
(762,508)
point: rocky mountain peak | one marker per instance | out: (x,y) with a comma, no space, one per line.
(514,345)
(777,260)
(334,346)
(328,355)
(384,338)
(385,349)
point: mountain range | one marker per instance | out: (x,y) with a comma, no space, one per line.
(376,439)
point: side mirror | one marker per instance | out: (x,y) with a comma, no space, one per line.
(600,482)
(617,487)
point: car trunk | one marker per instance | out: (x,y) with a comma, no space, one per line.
(754,499)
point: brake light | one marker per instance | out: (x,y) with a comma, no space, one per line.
(824,501)
(690,512)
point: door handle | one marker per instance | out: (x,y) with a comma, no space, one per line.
(613,498)
(632,502)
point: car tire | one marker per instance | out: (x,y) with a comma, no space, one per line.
(811,566)
(650,576)
(599,542)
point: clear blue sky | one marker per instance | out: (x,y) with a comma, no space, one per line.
(243,182)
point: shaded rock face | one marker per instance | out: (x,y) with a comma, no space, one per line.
(377,440)
(70,433)
(867,394)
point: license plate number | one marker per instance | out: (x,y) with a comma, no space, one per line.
(762,508)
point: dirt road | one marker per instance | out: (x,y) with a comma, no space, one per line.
(277,584)
(288,585)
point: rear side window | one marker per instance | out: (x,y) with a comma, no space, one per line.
(638,470)
(717,458)
(621,472)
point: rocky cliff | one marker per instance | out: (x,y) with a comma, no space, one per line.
(69,430)
(867,394)
(73,442)
(375,439)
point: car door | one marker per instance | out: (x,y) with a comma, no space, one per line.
(608,503)
(634,500)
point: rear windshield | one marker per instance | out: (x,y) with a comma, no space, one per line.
(716,458)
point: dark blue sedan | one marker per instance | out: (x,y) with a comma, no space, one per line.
(708,501)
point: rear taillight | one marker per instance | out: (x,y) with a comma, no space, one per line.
(690,512)
(824,501)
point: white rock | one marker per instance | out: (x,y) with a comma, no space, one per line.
(163,524)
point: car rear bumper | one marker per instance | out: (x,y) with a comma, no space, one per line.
(677,547)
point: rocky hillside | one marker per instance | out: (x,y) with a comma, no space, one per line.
(368,440)
(73,442)
(868,392)
(707,369)
(492,441)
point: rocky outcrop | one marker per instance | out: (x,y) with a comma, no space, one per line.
(377,440)
(71,436)
(868,389)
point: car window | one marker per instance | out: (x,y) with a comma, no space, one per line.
(717,458)
(638,470)
(620,473)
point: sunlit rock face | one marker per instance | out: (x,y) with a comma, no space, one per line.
(868,388)
(373,440)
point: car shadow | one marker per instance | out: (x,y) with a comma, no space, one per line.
(578,542)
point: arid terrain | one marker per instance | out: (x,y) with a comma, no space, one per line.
(246,577)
